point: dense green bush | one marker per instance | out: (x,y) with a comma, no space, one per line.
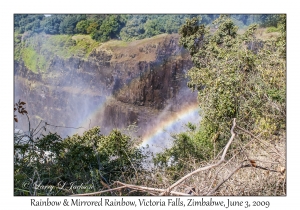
(103,27)
(91,159)
(233,81)
(194,145)
(110,28)
(235,75)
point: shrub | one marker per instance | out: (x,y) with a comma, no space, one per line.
(91,159)
(272,29)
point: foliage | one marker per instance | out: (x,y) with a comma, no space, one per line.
(17,46)
(103,27)
(81,26)
(134,28)
(152,28)
(37,51)
(68,24)
(144,26)
(33,60)
(190,145)
(93,159)
(243,21)
(234,80)
(272,29)
(236,76)
(19,107)
(74,46)
(28,23)
(51,24)
(269,20)
(110,28)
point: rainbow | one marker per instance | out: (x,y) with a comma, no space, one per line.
(169,122)
(84,124)
(166,121)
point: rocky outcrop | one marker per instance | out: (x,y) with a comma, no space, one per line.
(115,86)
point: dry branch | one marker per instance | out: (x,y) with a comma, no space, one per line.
(235,170)
(155,191)
(260,140)
(149,189)
(167,191)
(100,192)
(223,181)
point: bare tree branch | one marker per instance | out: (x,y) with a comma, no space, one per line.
(234,171)
(100,192)
(260,140)
(149,189)
(168,191)
(223,181)
(206,167)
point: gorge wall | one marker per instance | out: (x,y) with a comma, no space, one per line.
(115,86)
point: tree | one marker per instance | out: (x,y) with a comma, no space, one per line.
(92,27)
(91,158)
(189,146)
(235,77)
(240,80)
(268,20)
(110,28)
(152,28)
(68,24)
(134,28)
(81,26)
(28,22)
(51,24)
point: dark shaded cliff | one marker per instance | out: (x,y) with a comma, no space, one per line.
(116,85)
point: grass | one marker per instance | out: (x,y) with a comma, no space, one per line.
(113,44)
(38,51)
(33,60)
(272,29)
(66,46)
(263,34)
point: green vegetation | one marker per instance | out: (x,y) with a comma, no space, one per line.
(37,51)
(126,27)
(31,60)
(110,28)
(35,45)
(272,29)
(234,79)
(92,158)
(66,46)
(193,144)
(268,20)
(236,75)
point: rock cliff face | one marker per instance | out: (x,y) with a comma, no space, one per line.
(115,86)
